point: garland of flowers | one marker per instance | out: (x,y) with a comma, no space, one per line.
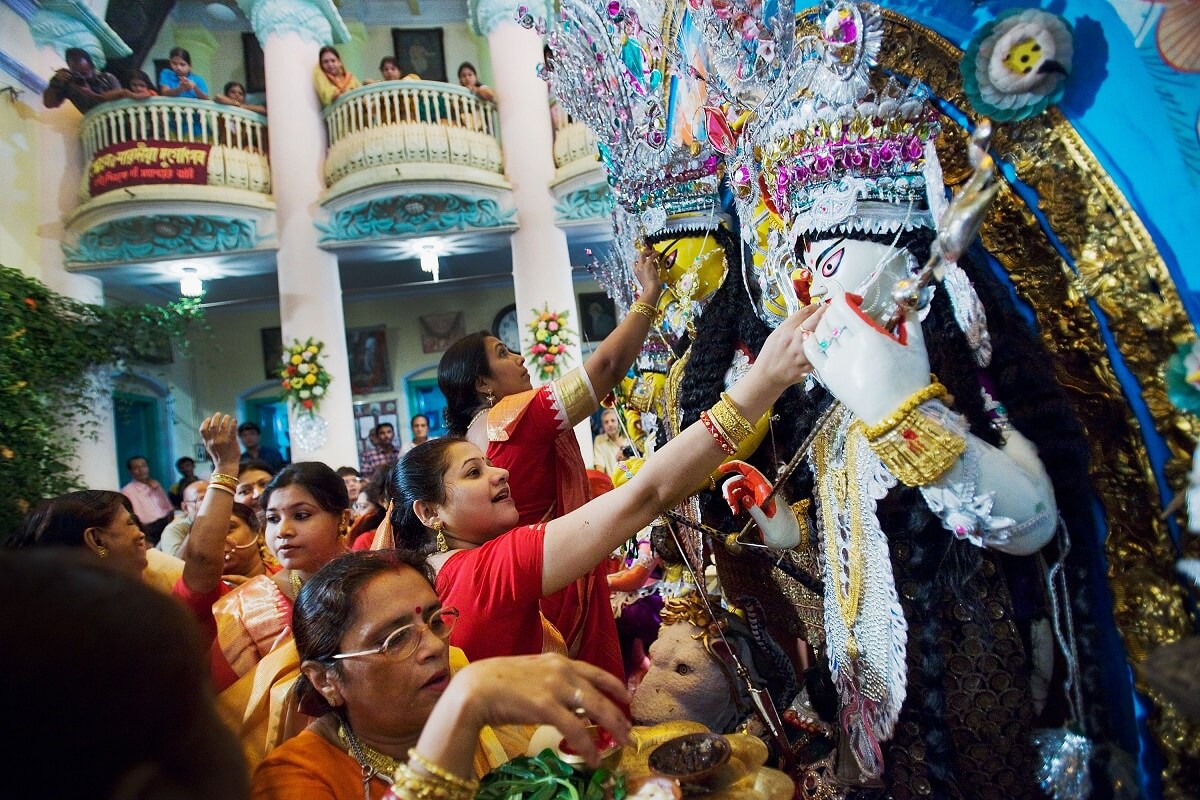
(304,380)
(551,338)
(52,349)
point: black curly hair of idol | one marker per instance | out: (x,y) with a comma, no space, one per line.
(1025,384)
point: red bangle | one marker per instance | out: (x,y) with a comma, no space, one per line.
(717,434)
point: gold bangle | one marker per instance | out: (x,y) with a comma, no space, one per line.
(441,773)
(934,390)
(221,479)
(646,310)
(731,420)
(408,784)
(914,447)
(222,488)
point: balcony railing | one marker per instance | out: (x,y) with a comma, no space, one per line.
(174,140)
(573,142)
(422,125)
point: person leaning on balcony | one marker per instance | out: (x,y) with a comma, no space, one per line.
(140,86)
(178,80)
(331,78)
(468,77)
(82,84)
(234,94)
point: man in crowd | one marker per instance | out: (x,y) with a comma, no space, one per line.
(251,435)
(420,431)
(187,472)
(173,535)
(151,505)
(82,84)
(384,454)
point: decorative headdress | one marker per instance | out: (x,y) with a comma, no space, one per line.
(608,70)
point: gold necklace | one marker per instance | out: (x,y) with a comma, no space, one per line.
(295,582)
(379,765)
(840,489)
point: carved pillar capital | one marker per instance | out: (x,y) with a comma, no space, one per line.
(485,15)
(63,24)
(317,21)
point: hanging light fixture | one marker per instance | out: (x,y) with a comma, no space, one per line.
(190,284)
(428,250)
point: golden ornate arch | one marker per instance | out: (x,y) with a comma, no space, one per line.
(1116,265)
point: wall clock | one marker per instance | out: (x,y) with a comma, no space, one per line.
(507,328)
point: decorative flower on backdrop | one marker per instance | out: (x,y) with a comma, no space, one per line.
(1182,376)
(302,376)
(1017,65)
(551,340)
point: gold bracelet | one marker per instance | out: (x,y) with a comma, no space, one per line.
(646,310)
(731,420)
(221,479)
(913,447)
(930,392)
(220,487)
(441,773)
(408,784)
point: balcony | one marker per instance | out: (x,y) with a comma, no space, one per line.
(169,178)
(580,186)
(409,158)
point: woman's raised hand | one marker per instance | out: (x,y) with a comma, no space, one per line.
(547,689)
(648,271)
(783,359)
(219,433)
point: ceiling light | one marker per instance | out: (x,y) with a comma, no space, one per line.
(190,284)
(428,250)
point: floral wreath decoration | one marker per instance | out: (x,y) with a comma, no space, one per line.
(551,338)
(1018,64)
(303,379)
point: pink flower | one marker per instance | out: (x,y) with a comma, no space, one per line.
(553,326)
(548,358)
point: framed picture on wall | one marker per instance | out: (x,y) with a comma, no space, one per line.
(368,415)
(369,366)
(597,316)
(420,51)
(439,331)
(272,350)
(256,68)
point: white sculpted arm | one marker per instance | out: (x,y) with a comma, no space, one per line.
(998,498)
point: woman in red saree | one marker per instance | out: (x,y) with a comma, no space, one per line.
(491,403)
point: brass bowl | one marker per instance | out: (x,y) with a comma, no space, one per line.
(692,758)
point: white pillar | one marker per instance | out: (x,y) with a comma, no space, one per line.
(61,169)
(310,289)
(541,264)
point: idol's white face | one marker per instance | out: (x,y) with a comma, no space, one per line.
(848,266)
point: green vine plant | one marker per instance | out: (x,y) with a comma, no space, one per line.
(53,355)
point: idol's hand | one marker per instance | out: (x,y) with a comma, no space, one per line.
(869,370)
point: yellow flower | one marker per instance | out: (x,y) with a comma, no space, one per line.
(297,383)
(313,349)
(310,379)
(296,359)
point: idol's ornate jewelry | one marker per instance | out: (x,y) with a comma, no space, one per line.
(865,628)
(221,479)
(646,310)
(914,447)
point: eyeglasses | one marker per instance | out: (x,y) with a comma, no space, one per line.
(403,642)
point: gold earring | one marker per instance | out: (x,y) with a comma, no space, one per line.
(440,538)
(102,551)
(491,396)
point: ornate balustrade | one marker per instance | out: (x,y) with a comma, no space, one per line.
(411,130)
(167,178)
(573,143)
(139,142)
(580,185)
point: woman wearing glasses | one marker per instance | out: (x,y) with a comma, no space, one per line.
(394,702)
